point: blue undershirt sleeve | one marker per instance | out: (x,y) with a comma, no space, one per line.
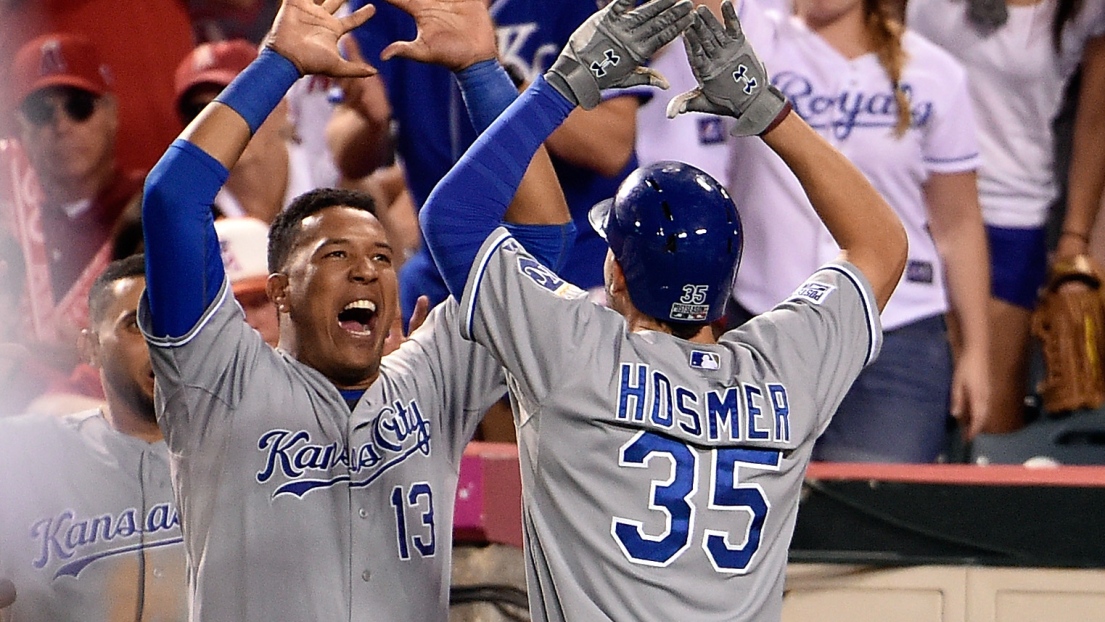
(488,91)
(469,202)
(184,268)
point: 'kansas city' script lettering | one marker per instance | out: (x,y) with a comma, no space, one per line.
(80,541)
(398,432)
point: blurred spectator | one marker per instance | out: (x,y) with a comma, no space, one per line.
(141,43)
(1019,56)
(88,527)
(244,245)
(220,20)
(16,384)
(273,170)
(66,196)
(897,107)
(311,102)
(592,151)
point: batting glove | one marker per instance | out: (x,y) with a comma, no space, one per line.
(608,49)
(731,79)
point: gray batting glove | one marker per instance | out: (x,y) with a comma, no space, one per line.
(608,49)
(731,79)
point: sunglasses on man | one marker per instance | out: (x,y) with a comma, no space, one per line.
(41,108)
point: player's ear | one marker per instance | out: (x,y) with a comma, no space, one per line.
(616,280)
(276,287)
(88,343)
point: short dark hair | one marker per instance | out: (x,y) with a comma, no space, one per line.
(98,296)
(685,330)
(285,228)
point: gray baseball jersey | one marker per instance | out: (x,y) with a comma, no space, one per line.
(88,528)
(661,477)
(294,508)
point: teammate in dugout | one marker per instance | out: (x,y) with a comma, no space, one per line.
(661,479)
(316,481)
(88,527)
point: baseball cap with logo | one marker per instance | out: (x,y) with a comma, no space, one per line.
(59,59)
(214,63)
(244,243)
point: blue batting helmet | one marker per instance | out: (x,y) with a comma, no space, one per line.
(677,236)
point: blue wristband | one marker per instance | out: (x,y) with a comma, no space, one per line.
(487,91)
(255,92)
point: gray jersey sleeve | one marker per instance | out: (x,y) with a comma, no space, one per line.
(539,326)
(821,337)
(214,359)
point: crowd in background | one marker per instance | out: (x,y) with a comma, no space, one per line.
(956,130)
(954,110)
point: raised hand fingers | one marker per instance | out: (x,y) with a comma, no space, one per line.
(622,7)
(358,17)
(700,41)
(330,6)
(421,311)
(670,23)
(414,50)
(732,24)
(712,29)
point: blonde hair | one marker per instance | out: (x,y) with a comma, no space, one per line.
(886,36)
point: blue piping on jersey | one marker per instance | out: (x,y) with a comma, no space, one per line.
(470,201)
(873,332)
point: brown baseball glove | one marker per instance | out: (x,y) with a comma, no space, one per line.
(1070,324)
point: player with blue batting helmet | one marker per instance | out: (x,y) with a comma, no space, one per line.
(677,236)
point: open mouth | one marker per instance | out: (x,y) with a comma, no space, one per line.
(357,317)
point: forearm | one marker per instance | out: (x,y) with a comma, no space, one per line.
(863,225)
(1086,177)
(184,268)
(967,271)
(359,145)
(471,200)
(955,222)
(488,91)
(600,140)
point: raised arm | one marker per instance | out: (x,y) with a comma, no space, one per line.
(459,35)
(184,269)
(470,201)
(732,81)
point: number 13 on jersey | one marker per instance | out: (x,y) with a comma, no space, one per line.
(673,497)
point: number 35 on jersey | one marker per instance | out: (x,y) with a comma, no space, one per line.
(729,551)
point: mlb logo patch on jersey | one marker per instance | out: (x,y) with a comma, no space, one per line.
(705,360)
(547,278)
(814,292)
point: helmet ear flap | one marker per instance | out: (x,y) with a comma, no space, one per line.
(677,237)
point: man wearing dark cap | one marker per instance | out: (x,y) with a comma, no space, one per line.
(274,169)
(68,123)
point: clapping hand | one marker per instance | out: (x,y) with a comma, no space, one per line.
(608,49)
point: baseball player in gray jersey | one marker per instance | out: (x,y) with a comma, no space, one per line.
(662,467)
(316,481)
(88,527)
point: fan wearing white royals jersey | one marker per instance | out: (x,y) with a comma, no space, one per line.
(316,480)
(661,466)
(1019,55)
(897,106)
